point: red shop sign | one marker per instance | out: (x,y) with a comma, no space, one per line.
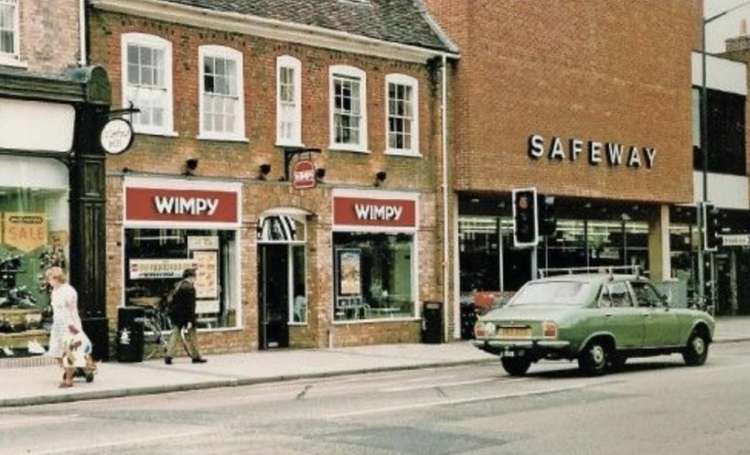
(156,204)
(355,211)
(303,175)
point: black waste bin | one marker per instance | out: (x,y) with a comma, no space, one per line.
(432,323)
(468,319)
(130,334)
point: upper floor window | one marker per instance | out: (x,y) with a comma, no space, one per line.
(9,50)
(348,108)
(289,101)
(725,132)
(147,82)
(222,110)
(402,114)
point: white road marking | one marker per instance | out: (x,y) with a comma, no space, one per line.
(35,420)
(448,384)
(431,404)
(138,441)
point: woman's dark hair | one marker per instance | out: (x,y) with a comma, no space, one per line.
(187,273)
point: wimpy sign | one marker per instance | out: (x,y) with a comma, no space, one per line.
(364,211)
(177,205)
(378,212)
(181,205)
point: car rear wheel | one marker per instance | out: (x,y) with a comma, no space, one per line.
(593,359)
(515,366)
(696,351)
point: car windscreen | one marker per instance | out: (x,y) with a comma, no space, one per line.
(552,293)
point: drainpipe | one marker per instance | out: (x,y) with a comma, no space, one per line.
(82,31)
(446,253)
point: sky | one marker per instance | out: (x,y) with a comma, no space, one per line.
(726,27)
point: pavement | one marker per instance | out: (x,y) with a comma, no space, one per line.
(34,385)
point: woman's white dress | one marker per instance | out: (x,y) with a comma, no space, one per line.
(64,301)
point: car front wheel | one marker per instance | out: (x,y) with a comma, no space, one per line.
(696,351)
(593,359)
(515,366)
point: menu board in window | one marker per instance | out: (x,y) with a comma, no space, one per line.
(207,274)
(350,272)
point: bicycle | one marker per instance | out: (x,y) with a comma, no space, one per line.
(156,329)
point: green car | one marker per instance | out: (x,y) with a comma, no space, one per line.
(598,319)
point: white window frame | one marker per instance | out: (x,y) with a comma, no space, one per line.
(402,79)
(352,72)
(153,41)
(287,61)
(229,54)
(14,59)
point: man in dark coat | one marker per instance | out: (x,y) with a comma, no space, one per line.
(183,319)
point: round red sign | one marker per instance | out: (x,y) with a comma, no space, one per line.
(303,175)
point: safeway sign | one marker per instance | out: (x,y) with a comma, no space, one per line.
(303,175)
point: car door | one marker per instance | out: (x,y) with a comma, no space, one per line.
(621,316)
(661,325)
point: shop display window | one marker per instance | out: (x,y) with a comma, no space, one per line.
(34,228)
(478,254)
(34,235)
(156,258)
(373,276)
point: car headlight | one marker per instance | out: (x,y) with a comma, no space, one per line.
(490,329)
(549,329)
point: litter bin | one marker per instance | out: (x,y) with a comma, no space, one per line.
(468,319)
(130,334)
(432,323)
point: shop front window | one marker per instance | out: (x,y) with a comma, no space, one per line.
(34,235)
(373,276)
(156,258)
(478,254)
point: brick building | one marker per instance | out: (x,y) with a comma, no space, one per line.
(588,103)
(228,90)
(51,106)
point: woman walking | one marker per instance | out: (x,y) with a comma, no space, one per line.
(64,301)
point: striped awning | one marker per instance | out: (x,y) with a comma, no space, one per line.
(279,228)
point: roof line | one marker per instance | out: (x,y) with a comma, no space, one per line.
(271,28)
(441,34)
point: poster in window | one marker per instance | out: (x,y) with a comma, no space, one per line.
(25,231)
(207,274)
(159,269)
(203,242)
(350,272)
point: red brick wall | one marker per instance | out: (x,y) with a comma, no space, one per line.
(598,70)
(240,161)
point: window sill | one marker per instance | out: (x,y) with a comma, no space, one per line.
(297,324)
(157,133)
(291,145)
(375,321)
(208,137)
(15,63)
(347,148)
(403,153)
(221,329)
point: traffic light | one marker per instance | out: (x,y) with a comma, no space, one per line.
(525,224)
(547,218)
(712,231)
